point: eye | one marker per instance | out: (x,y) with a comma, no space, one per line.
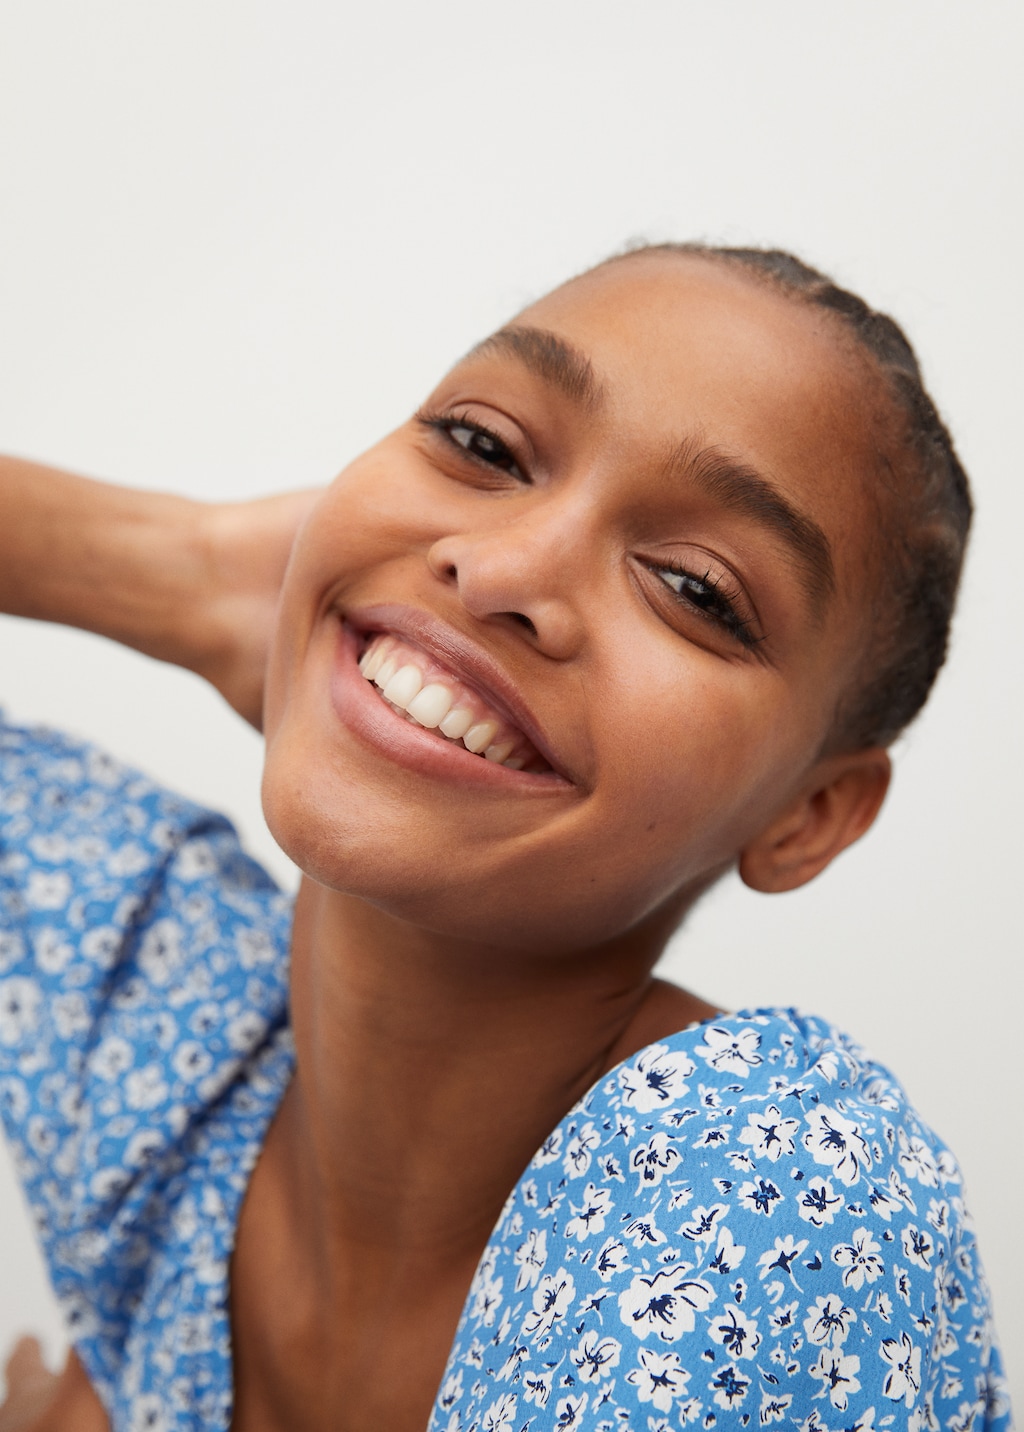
(477,441)
(708,595)
(483,444)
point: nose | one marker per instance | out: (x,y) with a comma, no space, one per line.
(524,572)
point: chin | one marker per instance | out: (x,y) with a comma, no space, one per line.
(455,867)
(491,903)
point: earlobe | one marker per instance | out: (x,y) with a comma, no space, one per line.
(838,804)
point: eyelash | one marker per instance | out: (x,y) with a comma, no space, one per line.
(447,423)
(709,602)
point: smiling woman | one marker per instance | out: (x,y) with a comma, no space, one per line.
(640,595)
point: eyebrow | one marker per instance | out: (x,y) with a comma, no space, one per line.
(733,483)
(550,357)
(741,488)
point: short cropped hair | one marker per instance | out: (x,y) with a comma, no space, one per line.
(925,511)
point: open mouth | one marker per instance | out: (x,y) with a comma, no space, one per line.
(429,695)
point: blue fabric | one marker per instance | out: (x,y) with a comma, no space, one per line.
(743,1225)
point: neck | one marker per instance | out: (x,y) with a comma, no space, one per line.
(412,1050)
(428,1072)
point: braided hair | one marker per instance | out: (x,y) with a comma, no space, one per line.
(924,529)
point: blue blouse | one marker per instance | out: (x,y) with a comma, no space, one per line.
(742,1225)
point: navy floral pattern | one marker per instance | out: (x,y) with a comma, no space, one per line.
(743,1225)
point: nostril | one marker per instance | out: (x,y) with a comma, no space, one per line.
(523,621)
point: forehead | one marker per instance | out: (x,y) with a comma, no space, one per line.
(684,350)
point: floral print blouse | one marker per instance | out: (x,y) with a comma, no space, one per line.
(743,1225)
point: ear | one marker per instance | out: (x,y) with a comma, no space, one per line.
(841,798)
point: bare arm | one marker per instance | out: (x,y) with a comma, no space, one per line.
(186,582)
(39,1400)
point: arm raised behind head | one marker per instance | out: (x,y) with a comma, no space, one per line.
(187,582)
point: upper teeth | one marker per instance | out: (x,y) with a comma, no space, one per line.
(451,709)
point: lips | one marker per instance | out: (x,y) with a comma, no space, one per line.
(439,702)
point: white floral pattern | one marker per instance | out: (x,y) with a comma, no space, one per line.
(742,1226)
(144,1049)
(784,1244)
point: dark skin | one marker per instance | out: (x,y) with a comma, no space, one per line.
(689,719)
(39,1400)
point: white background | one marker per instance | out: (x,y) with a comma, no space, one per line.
(239,241)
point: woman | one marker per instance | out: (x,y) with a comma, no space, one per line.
(642,594)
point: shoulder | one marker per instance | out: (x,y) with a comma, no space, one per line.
(86,842)
(50,781)
(745,1222)
(105,874)
(143,1035)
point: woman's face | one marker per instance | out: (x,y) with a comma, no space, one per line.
(627,539)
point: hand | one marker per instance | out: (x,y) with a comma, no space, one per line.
(31,1387)
(39,1400)
(247,546)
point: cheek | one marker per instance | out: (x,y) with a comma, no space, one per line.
(352,530)
(700,766)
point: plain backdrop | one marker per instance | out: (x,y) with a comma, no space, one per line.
(240,241)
